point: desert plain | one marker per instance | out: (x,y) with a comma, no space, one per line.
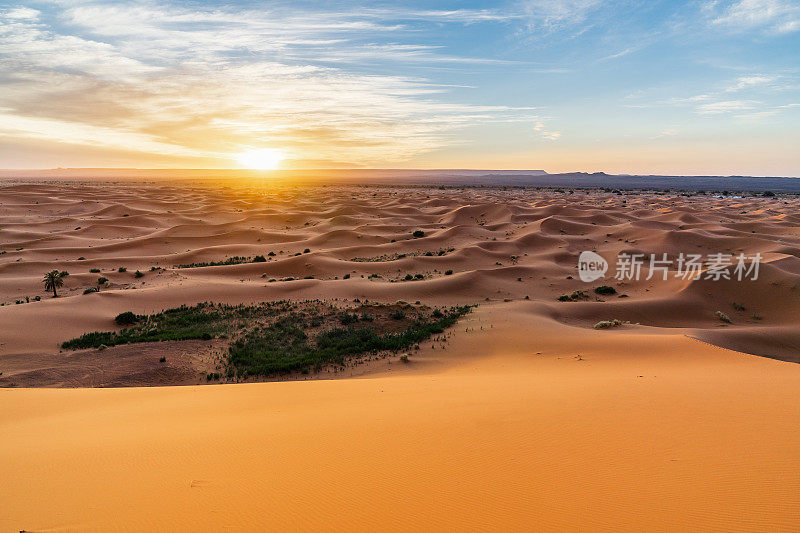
(522,415)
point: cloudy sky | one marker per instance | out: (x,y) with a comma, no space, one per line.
(646,86)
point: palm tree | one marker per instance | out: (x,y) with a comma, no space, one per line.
(52,280)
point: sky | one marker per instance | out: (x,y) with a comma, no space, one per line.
(653,87)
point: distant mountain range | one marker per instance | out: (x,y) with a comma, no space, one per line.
(466,177)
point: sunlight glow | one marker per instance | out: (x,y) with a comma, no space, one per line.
(261,159)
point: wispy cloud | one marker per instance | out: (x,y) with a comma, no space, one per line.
(775,16)
(209,82)
(546,133)
(713,108)
(555,14)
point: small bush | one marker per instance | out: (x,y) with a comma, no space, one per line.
(603,324)
(574,297)
(271,254)
(63,273)
(404,358)
(127,318)
(738,306)
(90,290)
(723,317)
(448,272)
(605,289)
(102,280)
(138,274)
(408,277)
(397,314)
(418,276)
(162,360)
(307,250)
(94,270)
(418,234)
(346,276)
(259,259)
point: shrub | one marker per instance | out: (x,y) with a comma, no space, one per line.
(738,306)
(63,273)
(125,319)
(347,318)
(94,270)
(102,280)
(418,234)
(259,259)
(605,289)
(608,324)
(162,360)
(574,297)
(768,194)
(90,290)
(404,358)
(122,269)
(723,317)
(448,272)
(397,314)
(271,254)
(419,276)
(138,274)
(307,250)
(408,277)
(346,276)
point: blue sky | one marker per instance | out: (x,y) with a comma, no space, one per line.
(698,87)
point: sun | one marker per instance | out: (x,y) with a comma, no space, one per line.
(261,159)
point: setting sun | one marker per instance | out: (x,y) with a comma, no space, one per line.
(262,159)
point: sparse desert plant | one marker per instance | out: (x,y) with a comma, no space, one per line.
(738,306)
(127,318)
(259,259)
(756,316)
(138,274)
(122,269)
(90,290)
(307,250)
(64,273)
(52,281)
(723,317)
(346,276)
(397,314)
(605,289)
(448,272)
(404,358)
(574,297)
(418,234)
(94,270)
(603,324)
(162,360)
(102,280)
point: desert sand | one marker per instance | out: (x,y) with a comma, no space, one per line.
(527,418)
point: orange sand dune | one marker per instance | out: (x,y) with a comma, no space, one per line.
(527,418)
(644,431)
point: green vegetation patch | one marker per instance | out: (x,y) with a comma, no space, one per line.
(283,337)
(235,260)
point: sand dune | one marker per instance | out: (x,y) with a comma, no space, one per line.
(526,418)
